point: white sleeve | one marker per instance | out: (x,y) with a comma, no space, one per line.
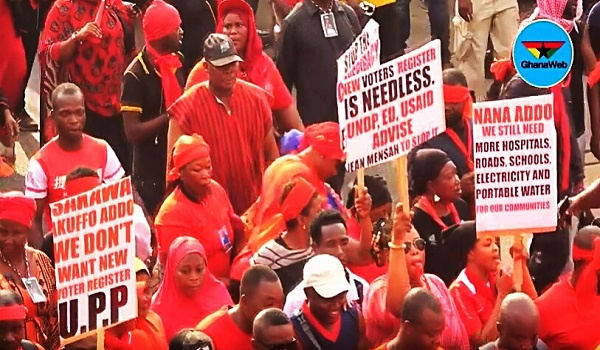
(36,182)
(143,236)
(113,171)
(294,300)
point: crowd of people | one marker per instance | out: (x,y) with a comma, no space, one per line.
(243,238)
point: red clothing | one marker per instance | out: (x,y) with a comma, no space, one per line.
(257,68)
(208,221)
(368,272)
(381,325)
(57,163)
(474,300)
(149,333)
(236,136)
(178,311)
(96,67)
(224,333)
(561,325)
(13,65)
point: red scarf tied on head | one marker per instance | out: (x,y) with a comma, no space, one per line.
(297,199)
(186,150)
(14,206)
(502,69)
(81,185)
(255,62)
(587,285)
(160,20)
(324,138)
(177,310)
(461,94)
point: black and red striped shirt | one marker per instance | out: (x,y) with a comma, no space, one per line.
(235,135)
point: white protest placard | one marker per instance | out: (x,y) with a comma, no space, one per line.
(362,55)
(94,250)
(515,165)
(388,110)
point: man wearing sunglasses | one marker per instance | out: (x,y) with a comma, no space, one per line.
(273,330)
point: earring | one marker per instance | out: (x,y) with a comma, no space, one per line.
(304,227)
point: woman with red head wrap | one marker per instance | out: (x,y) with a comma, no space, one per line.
(189,292)
(20,263)
(318,159)
(236,19)
(12,320)
(197,206)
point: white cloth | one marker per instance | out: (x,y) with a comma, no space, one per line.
(296,298)
(143,236)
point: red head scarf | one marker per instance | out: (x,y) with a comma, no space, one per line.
(587,285)
(81,185)
(325,138)
(186,150)
(13,313)
(178,311)
(297,199)
(553,10)
(160,20)
(255,61)
(14,206)
(459,94)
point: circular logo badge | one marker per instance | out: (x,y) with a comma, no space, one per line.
(543,53)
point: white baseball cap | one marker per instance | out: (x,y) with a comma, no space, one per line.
(326,274)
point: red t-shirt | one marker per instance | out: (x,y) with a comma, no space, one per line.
(225,334)
(561,325)
(208,221)
(475,305)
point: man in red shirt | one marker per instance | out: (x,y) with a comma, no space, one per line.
(234,118)
(231,327)
(71,149)
(570,309)
(422,323)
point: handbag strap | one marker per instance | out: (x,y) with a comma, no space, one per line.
(306,328)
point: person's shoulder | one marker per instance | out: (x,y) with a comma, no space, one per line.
(296,13)
(215,320)
(94,141)
(40,257)
(552,295)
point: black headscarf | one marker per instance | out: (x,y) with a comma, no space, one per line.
(459,240)
(426,166)
(378,189)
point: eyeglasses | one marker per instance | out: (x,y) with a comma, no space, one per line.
(418,243)
(291,345)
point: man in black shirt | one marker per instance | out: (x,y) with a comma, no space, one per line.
(308,54)
(314,35)
(144,103)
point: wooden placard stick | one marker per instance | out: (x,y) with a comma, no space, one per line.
(402,181)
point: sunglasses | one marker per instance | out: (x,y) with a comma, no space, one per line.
(291,345)
(418,243)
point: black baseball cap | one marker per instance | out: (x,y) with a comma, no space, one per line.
(219,50)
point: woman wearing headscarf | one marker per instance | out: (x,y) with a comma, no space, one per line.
(287,253)
(318,158)
(12,321)
(197,206)
(188,292)
(439,206)
(481,286)
(236,20)
(382,310)
(88,43)
(27,271)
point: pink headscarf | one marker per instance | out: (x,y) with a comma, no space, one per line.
(553,10)
(175,309)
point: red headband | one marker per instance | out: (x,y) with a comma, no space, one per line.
(582,254)
(186,150)
(13,312)
(297,199)
(81,185)
(459,94)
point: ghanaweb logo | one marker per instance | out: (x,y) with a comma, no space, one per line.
(543,53)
